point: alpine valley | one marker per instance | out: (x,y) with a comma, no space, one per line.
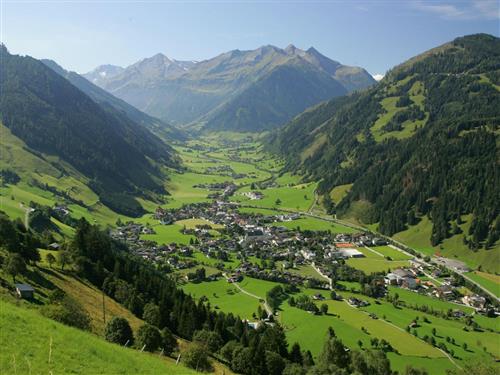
(262,212)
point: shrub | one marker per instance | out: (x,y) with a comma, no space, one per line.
(118,331)
(196,357)
(149,337)
(68,311)
(211,340)
(151,314)
(169,342)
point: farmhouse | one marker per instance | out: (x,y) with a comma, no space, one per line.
(474,301)
(254,195)
(402,278)
(355,302)
(444,291)
(25,291)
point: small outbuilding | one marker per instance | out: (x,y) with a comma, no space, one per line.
(25,291)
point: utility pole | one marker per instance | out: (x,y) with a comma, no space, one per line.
(103,308)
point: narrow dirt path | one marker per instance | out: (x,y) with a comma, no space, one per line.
(266,306)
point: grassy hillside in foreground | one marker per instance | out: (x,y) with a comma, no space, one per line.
(32,343)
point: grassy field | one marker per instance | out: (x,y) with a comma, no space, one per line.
(297,197)
(486,280)
(262,211)
(413,298)
(193,223)
(166,234)
(92,299)
(479,344)
(416,94)
(312,223)
(347,323)
(304,270)
(224,297)
(32,343)
(181,188)
(391,252)
(371,264)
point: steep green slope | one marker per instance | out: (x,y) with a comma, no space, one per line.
(421,143)
(55,118)
(32,343)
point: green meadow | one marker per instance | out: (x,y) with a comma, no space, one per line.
(486,280)
(312,223)
(32,343)
(225,297)
(166,234)
(297,197)
(371,264)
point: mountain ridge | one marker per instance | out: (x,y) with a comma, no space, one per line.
(191,95)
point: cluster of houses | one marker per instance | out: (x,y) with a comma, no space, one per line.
(250,236)
(409,278)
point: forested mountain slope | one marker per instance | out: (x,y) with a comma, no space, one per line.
(423,142)
(55,118)
(248,90)
(106,100)
(274,99)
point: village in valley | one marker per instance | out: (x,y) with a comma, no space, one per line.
(260,247)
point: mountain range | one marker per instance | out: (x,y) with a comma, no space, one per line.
(420,145)
(239,90)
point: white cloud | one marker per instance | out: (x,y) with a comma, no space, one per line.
(489,9)
(377,77)
(463,10)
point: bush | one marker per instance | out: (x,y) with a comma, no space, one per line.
(67,311)
(14,265)
(118,331)
(227,350)
(151,314)
(274,363)
(169,342)
(149,337)
(196,357)
(294,369)
(211,340)
(242,360)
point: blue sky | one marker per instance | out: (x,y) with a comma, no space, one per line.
(376,35)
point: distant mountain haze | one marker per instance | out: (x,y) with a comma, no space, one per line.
(238,90)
